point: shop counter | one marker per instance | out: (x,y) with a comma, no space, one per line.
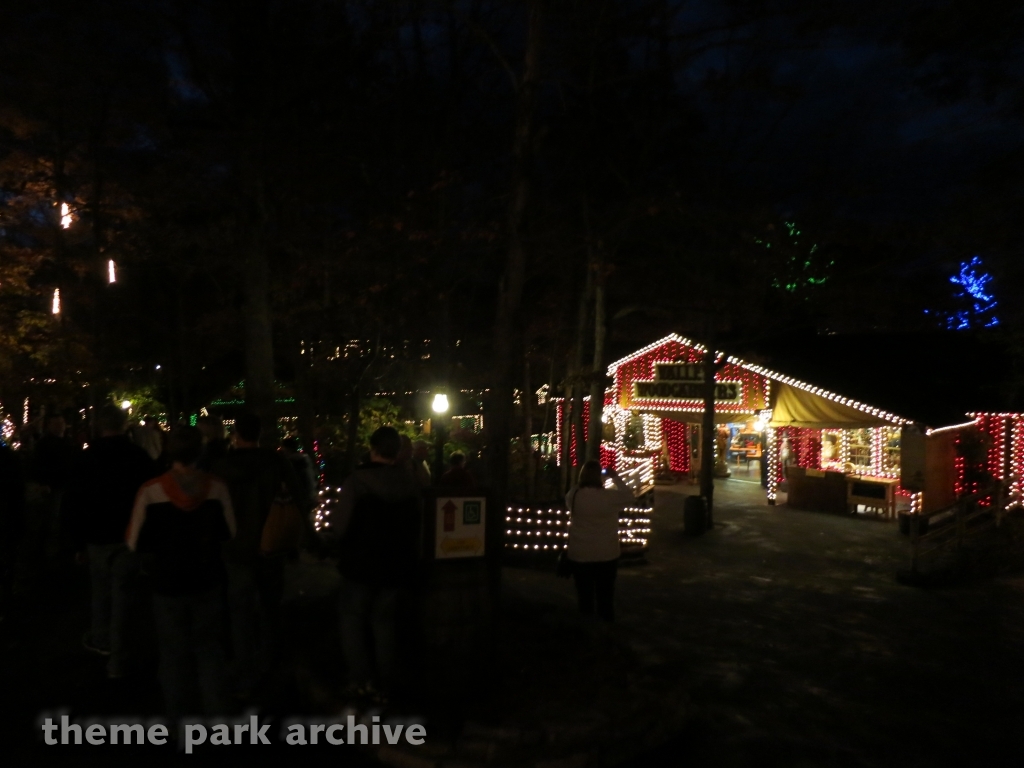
(820,490)
(877,493)
(817,490)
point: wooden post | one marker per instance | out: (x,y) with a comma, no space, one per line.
(961,524)
(915,534)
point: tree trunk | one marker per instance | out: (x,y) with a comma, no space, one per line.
(510,292)
(304,400)
(529,464)
(259,339)
(352,438)
(709,432)
(565,455)
(576,375)
(597,375)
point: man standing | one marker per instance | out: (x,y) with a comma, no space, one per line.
(12,518)
(458,476)
(181,520)
(255,477)
(99,502)
(52,460)
(375,531)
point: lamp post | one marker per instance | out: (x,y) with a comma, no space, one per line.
(439,407)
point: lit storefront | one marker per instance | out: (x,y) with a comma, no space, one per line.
(827,451)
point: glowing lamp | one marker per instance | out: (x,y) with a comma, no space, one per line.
(126,404)
(440,404)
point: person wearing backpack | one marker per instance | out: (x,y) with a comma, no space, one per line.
(375,532)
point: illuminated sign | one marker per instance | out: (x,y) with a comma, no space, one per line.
(684,381)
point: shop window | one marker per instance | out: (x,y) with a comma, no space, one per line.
(633,440)
(891,449)
(832,449)
(860,450)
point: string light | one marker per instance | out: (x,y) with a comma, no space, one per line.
(951,428)
(540,528)
(1017,460)
(326,499)
(772,445)
(111,272)
(55,306)
(754,388)
(675,436)
(65,216)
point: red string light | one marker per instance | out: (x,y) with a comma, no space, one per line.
(675,435)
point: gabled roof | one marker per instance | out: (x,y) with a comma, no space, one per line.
(767,373)
(933,378)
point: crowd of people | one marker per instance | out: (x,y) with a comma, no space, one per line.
(181,521)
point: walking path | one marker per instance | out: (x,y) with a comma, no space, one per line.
(779,638)
(783,638)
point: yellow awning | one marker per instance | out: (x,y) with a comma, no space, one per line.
(794,407)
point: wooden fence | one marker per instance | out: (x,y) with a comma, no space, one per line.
(969,516)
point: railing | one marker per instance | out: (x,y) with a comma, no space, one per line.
(969,518)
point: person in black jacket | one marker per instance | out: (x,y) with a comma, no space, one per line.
(12,518)
(98,506)
(256,477)
(180,522)
(375,531)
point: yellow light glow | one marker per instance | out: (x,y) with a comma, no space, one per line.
(440,404)
(56,301)
(126,404)
(111,272)
(65,216)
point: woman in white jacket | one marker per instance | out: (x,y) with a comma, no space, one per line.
(594,537)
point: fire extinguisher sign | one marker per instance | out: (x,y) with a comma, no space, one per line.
(460,527)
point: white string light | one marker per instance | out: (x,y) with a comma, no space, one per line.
(952,427)
(55,306)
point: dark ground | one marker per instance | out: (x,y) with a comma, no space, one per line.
(780,638)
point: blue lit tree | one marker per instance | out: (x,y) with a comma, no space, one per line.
(974,303)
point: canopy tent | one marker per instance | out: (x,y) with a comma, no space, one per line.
(794,407)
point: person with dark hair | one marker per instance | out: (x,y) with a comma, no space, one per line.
(49,470)
(248,427)
(457,476)
(98,506)
(12,518)
(593,546)
(375,531)
(180,521)
(256,477)
(149,437)
(52,461)
(301,463)
(215,444)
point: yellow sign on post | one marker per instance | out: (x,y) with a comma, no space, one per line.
(459,527)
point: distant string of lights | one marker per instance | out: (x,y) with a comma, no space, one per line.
(539,529)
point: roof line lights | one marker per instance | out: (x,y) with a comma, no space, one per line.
(767,373)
